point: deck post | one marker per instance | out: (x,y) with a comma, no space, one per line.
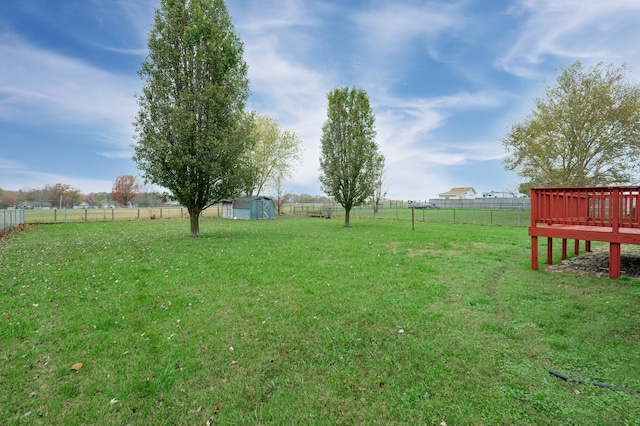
(587,246)
(614,260)
(564,248)
(576,247)
(534,239)
(549,250)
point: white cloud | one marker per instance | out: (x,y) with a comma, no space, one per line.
(44,89)
(394,25)
(38,86)
(283,85)
(592,30)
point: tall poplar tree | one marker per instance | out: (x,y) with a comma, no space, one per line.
(350,164)
(190,127)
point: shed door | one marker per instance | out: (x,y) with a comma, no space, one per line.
(263,209)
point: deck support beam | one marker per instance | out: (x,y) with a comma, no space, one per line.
(614,260)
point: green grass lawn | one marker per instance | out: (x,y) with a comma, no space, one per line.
(302,321)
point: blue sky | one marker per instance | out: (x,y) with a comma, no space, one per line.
(446,80)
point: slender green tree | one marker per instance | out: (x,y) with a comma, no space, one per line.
(190,127)
(585,131)
(350,164)
(274,156)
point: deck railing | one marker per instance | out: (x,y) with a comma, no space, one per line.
(591,206)
(607,214)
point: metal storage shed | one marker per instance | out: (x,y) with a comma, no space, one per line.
(227,209)
(253,208)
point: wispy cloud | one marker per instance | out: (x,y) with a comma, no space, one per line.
(575,29)
(392,27)
(67,99)
(406,126)
(40,86)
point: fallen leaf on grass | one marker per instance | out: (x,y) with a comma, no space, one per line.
(211,419)
(77,366)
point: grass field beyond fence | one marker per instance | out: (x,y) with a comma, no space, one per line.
(302,321)
(399,212)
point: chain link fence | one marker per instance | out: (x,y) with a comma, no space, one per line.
(11,219)
(481,213)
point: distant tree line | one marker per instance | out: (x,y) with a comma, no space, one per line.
(126,191)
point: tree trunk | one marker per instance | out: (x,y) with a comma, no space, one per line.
(194,218)
(347,211)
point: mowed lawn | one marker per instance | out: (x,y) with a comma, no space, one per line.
(302,321)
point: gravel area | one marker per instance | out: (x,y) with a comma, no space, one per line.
(596,263)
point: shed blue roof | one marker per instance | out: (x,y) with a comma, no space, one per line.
(245,202)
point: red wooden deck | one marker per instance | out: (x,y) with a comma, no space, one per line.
(606,214)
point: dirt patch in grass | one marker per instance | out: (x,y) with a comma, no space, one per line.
(596,263)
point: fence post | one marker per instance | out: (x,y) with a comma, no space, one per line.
(85,215)
(113,215)
(413,218)
(138,214)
